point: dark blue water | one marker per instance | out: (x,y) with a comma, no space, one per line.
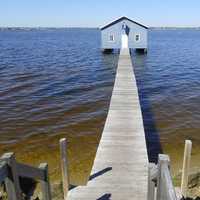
(58,81)
(51,79)
(168,79)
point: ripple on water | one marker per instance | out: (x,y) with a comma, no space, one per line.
(56,83)
(168,81)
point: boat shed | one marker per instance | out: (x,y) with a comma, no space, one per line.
(124,33)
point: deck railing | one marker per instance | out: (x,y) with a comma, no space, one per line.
(160,186)
(11,171)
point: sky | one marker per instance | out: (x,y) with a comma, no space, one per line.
(96,13)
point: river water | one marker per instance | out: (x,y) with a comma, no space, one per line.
(56,83)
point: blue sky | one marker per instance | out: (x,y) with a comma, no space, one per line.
(95,13)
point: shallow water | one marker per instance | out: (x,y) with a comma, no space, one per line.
(56,83)
(168,81)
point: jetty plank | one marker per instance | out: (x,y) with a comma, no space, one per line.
(45,185)
(120,169)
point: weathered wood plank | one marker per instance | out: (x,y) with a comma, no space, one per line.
(64,166)
(46,189)
(121,163)
(186,168)
(165,188)
(30,172)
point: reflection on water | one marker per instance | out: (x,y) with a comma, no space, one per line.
(168,81)
(151,132)
(57,83)
(54,83)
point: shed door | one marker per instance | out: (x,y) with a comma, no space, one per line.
(125,34)
(124,41)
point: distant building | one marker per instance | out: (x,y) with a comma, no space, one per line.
(124,33)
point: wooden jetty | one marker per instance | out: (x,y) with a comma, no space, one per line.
(11,171)
(121,170)
(121,166)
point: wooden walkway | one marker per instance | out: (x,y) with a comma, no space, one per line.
(120,170)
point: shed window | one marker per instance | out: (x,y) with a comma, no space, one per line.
(137,37)
(112,38)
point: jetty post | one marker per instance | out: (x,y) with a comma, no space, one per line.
(12,184)
(45,184)
(186,167)
(152,176)
(64,168)
(11,171)
(165,188)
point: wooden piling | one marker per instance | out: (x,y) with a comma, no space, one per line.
(12,181)
(165,188)
(186,167)
(11,171)
(64,168)
(152,176)
(46,190)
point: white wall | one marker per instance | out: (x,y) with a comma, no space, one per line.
(116,30)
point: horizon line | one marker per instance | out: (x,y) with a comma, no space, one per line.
(57,27)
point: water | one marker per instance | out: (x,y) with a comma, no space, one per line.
(57,83)
(168,81)
(54,83)
(50,79)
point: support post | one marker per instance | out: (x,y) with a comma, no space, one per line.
(163,162)
(64,167)
(45,185)
(186,166)
(165,188)
(12,181)
(152,176)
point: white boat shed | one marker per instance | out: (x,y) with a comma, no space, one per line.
(124,33)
